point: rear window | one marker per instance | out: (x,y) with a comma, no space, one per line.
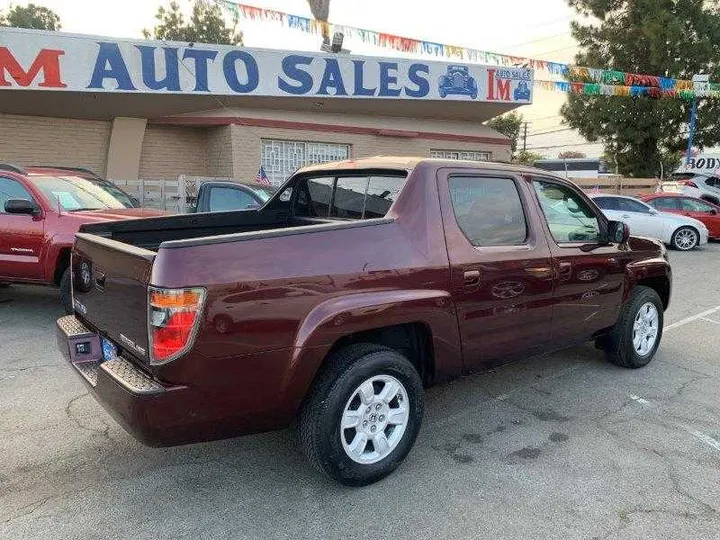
(348,197)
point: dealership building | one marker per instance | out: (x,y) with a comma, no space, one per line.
(130,109)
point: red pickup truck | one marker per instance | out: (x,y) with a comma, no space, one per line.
(41,209)
(352,287)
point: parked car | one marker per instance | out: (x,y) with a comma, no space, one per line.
(355,285)
(41,209)
(704,211)
(680,232)
(699,186)
(228,196)
(457,81)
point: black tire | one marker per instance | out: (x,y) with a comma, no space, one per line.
(65,293)
(685,230)
(618,344)
(318,423)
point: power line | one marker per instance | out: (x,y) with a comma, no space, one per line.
(550,131)
(509,47)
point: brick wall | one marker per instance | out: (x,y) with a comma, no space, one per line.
(246,141)
(37,140)
(219,149)
(169,151)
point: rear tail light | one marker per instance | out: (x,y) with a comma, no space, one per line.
(687,183)
(174,317)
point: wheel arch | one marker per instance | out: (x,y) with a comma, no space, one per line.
(420,324)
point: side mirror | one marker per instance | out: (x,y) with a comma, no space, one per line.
(654,212)
(618,232)
(21,206)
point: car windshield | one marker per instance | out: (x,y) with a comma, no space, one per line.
(264,192)
(116,192)
(75,193)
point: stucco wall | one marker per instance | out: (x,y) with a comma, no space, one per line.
(169,151)
(63,142)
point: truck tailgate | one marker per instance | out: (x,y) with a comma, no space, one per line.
(110,281)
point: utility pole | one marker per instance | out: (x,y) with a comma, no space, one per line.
(700,85)
(525,136)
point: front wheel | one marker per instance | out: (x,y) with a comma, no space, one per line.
(685,239)
(362,415)
(635,338)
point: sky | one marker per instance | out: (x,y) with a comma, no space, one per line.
(528,28)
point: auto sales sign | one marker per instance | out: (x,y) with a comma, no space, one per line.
(36,60)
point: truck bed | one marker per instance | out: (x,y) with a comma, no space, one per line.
(150,233)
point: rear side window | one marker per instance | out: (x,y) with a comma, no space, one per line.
(607,203)
(347,197)
(664,203)
(488,210)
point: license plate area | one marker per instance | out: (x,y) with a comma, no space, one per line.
(84,348)
(109,350)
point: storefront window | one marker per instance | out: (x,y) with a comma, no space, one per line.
(282,158)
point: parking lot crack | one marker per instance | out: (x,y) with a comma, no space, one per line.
(104,432)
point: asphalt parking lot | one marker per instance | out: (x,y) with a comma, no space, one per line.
(560,446)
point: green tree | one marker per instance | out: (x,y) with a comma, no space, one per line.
(571,154)
(669,38)
(206,25)
(527,157)
(509,125)
(31,16)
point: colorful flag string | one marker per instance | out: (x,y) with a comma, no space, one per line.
(594,81)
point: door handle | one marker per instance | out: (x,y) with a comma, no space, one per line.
(565,269)
(471,278)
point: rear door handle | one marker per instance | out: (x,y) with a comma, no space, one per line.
(471,278)
(565,269)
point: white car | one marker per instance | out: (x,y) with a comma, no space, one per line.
(700,186)
(680,232)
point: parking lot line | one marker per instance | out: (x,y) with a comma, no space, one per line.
(707,439)
(692,318)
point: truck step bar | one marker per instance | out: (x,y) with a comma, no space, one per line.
(71,332)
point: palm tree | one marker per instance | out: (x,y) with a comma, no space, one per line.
(321,11)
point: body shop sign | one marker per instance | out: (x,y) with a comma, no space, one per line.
(34,60)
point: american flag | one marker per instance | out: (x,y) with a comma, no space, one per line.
(262,178)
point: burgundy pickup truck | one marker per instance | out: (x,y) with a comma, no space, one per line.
(354,286)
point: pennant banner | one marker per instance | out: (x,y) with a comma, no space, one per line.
(591,81)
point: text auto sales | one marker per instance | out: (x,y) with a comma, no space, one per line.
(161,69)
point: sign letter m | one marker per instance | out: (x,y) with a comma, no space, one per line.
(48,61)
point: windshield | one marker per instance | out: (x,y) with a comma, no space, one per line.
(75,193)
(263,192)
(116,192)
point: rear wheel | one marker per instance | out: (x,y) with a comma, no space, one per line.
(637,333)
(362,415)
(65,293)
(685,239)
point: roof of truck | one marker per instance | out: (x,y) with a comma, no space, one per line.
(409,163)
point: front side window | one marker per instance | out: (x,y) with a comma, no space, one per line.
(347,197)
(226,199)
(569,217)
(488,210)
(12,189)
(689,205)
